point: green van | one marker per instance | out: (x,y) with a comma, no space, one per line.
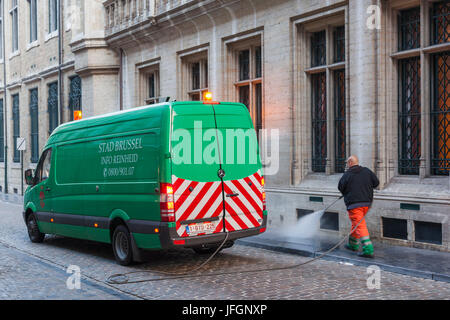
(176,174)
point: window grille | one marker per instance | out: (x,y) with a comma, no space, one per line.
(318,49)
(34,113)
(409,29)
(441,22)
(409,117)
(440,115)
(339,119)
(52,105)
(319,122)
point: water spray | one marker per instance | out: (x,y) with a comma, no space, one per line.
(122,278)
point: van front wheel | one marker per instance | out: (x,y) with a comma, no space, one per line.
(121,244)
(35,235)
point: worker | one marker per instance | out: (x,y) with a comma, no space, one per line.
(357,186)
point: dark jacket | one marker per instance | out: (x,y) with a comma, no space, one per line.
(357,186)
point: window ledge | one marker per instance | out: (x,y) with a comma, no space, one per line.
(15,165)
(321,181)
(314,70)
(51,35)
(14,54)
(32,45)
(429,187)
(437,48)
(406,54)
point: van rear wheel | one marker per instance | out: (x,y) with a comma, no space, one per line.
(121,244)
(34,234)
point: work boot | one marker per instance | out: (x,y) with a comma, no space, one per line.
(352,244)
(367,249)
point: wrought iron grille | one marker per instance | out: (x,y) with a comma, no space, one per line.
(318,49)
(2,134)
(74,95)
(409,117)
(339,44)
(440,115)
(34,135)
(339,119)
(52,104)
(441,22)
(319,122)
(409,29)
(16,126)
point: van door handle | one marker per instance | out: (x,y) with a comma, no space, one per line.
(48,189)
(231,195)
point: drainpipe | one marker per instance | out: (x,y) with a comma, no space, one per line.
(121,79)
(60,54)
(5,104)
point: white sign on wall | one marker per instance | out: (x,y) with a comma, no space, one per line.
(20,143)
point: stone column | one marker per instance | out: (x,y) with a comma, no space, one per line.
(363,82)
(97,64)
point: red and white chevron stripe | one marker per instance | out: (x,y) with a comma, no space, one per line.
(201,200)
(197,200)
(245,210)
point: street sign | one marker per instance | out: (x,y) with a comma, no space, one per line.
(20,143)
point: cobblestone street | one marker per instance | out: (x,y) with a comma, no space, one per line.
(38,271)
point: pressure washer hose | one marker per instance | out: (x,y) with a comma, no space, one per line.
(122,278)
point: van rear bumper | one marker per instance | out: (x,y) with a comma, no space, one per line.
(171,239)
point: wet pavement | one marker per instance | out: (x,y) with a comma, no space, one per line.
(38,271)
(422,263)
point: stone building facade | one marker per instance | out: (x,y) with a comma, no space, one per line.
(364,77)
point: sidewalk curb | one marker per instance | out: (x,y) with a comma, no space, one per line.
(357,262)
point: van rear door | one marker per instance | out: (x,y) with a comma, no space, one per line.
(198,199)
(243,183)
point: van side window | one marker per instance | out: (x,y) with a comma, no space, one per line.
(43,169)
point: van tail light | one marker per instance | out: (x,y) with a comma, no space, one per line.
(263,193)
(166,203)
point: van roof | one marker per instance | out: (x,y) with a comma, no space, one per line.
(118,116)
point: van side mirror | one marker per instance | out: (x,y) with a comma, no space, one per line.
(29,177)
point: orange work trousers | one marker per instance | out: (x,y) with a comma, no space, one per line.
(355,216)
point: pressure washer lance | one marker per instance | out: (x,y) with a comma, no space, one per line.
(122,278)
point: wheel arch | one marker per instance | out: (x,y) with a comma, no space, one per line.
(28,209)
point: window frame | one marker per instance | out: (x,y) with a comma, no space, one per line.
(33,20)
(34,124)
(53,12)
(14,12)
(75,95)
(52,106)
(143,72)
(254,82)
(16,125)
(424,53)
(188,59)
(1,29)
(332,164)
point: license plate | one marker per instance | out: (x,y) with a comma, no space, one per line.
(202,227)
